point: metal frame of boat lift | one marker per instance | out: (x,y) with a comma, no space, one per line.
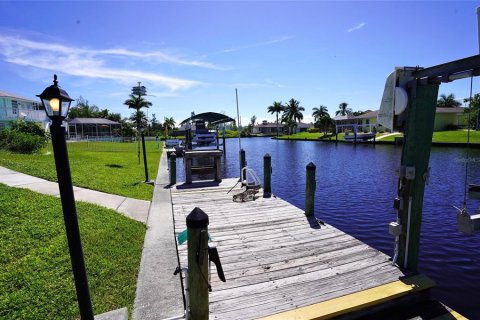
(417,123)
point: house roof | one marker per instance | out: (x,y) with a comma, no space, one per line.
(210,117)
(92,121)
(346,117)
(5,94)
(368,115)
(268,125)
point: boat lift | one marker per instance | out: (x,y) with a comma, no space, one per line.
(408,105)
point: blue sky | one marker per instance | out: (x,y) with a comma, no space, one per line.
(192,55)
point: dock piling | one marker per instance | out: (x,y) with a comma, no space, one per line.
(243,164)
(197,226)
(173,168)
(267,176)
(310,190)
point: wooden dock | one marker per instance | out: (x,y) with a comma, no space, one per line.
(274,259)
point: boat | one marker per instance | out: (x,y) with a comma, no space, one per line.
(360,137)
(203,138)
(172,143)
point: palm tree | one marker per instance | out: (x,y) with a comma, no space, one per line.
(448,101)
(321,117)
(137,103)
(276,107)
(293,111)
(343,109)
(168,124)
(319,112)
(140,118)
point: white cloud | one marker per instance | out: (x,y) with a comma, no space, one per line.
(357,27)
(255,45)
(94,63)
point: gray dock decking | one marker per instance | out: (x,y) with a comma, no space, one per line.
(274,260)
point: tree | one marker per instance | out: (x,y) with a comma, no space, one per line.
(140,119)
(114,117)
(448,101)
(320,112)
(253,119)
(156,126)
(322,118)
(276,108)
(473,110)
(358,113)
(169,125)
(137,102)
(293,112)
(83,109)
(343,109)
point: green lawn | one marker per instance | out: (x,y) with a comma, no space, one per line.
(110,167)
(36,278)
(440,136)
(448,136)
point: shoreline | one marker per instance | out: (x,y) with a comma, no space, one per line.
(434,143)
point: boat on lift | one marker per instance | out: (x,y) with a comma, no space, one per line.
(203,138)
(361,137)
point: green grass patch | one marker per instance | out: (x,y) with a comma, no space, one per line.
(458,136)
(303,136)
(110,167)
(36,274)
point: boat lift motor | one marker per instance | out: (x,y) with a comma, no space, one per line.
(468,224)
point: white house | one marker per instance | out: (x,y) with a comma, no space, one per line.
(13,107)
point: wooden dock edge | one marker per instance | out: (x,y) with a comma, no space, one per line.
(359,300)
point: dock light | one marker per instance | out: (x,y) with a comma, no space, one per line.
(56,102)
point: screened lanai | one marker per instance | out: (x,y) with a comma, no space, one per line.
(82,128)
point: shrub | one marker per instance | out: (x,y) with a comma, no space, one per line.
(313,130)
(20,142)
(32,128)
(451,127)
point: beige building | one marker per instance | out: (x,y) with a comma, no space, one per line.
(445,118)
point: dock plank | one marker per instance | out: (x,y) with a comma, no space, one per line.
(274,258)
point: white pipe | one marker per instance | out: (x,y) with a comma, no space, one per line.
(408,232)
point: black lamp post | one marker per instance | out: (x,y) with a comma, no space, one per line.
(56,102)
(142,130)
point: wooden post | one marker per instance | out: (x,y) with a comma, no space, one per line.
(243,164)
(415,157)
(267,176)
(224,145)
(218,168)
(197,226)
(218,139)
(188,169)
(173,168)
(310,190)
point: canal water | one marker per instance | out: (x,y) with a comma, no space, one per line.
(356,186)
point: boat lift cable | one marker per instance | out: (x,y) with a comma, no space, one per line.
(468,144)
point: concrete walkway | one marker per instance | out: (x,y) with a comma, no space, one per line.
(159,293)
(132,208)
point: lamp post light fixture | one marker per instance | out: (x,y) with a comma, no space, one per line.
(56,102)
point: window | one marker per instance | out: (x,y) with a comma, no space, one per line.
(14,106)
